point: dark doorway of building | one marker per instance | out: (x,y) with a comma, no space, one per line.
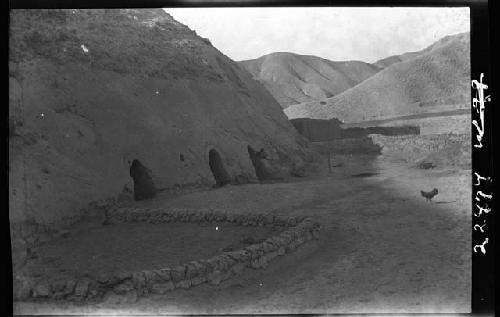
(220,174)
(144,187)
(257,158)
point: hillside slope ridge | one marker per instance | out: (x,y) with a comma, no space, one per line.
(293,78)
(92,90)
(436,80)
(386,62)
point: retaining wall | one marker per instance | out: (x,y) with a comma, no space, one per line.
(298,230)
(416,147)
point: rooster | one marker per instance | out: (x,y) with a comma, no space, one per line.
(429,195)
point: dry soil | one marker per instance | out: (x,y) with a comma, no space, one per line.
(382,249)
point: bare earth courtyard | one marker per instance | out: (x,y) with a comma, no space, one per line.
(382,248)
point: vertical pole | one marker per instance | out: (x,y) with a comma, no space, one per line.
(329,147)
(329,162)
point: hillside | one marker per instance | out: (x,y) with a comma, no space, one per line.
(436,80)
(93,90)
(293,78)
(388,61)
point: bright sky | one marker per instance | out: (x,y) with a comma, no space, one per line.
(366,34)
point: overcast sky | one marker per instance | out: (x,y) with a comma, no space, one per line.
(366,34)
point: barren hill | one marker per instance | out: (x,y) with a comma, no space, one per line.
(293,78)
(93,90)
(435,80)
(385,62)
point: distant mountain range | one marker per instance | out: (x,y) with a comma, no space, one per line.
(433,79)
(293,78)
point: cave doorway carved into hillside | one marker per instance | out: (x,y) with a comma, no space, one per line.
(259,164)
(144,187)
(217,167)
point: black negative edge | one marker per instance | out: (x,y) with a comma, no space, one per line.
(483,277)
(75,4)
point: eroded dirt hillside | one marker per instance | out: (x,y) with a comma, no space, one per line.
(293,78)
(92,90)
(437,79)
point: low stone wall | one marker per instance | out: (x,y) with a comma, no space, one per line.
(298,230)
(421,144)
(348,146)
(359,132)
(317,130)
(417,147)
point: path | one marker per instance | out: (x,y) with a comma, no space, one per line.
(382,249)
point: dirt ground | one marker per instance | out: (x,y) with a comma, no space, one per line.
(382,249)
(131,247)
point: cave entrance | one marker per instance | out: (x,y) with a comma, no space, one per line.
(217,167)
(257,158)
(144,187)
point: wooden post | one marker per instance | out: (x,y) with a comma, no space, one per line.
(329,161)
(329,147)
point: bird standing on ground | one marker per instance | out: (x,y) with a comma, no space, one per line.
(429,195)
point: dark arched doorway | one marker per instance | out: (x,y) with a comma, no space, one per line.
(144,187)
(257,158)
(217,167)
